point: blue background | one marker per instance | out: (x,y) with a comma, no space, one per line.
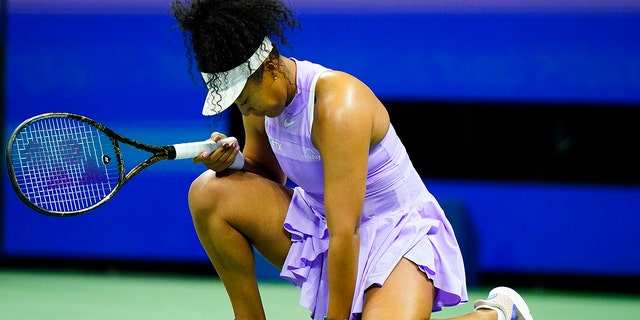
(129,72)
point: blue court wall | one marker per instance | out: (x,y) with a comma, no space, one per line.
(129,72)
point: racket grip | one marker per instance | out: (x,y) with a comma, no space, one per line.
(191,150)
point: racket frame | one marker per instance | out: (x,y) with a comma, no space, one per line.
(159,153)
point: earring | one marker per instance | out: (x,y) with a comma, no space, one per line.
(275,78)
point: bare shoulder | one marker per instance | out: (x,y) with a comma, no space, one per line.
(345,100)
(340,90)
(335,81)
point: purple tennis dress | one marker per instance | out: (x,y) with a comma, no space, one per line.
(400,218)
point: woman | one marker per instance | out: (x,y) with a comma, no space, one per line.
(360,235)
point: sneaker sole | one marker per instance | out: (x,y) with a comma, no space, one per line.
(523,309)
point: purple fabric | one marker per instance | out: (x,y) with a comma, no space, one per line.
(400,218)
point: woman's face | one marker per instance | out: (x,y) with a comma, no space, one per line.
(266,97)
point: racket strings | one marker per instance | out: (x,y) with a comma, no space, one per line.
(63,165)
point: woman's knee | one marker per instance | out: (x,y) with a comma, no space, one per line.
(248,203)
(235,192)
(204,193)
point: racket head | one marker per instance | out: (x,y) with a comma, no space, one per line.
(62,164)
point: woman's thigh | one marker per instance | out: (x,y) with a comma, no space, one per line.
(406,294)
(248,203)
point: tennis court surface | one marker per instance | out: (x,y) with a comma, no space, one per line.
(51,295)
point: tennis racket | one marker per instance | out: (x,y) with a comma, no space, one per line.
(63,164)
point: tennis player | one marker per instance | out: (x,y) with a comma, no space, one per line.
(359,235)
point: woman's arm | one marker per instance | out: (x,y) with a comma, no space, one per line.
(342,132)
(258,155)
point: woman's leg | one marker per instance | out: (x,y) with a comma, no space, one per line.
(230,214)
(408,295)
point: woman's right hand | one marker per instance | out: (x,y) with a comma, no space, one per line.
(221,158)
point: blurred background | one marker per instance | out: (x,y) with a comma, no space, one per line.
(523,118)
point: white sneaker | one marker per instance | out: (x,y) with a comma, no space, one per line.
(507,300)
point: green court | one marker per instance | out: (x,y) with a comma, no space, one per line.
(41,295)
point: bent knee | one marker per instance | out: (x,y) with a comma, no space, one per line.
(204,191)
(238,193)
(211,192)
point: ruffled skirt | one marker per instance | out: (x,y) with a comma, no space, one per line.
(417,230)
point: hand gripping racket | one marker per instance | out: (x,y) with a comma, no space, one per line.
(63,164)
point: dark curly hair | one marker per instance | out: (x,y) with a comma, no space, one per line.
(222,34)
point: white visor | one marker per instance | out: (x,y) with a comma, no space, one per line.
(232,82)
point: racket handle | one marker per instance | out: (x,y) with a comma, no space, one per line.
(191,150)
